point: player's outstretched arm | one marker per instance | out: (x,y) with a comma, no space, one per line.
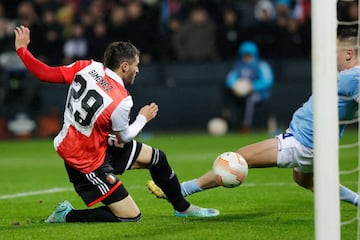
(42,71)
(22,37)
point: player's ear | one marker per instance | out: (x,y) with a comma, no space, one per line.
(124,66)
(350,53)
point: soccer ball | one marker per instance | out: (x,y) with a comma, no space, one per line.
(230,169)
(242,87)
(217,126)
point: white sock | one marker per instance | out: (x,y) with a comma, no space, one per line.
(189,187)
(349,196)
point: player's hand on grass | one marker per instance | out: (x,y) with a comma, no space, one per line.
(22,37)
(149,111)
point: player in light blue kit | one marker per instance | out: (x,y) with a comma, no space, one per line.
(294,148)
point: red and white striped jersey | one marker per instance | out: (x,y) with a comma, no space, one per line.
(94,97)
(97,103)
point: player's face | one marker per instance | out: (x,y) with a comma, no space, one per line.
(340,60)
(346,56)
(340,56)
(132,70)
(247,58)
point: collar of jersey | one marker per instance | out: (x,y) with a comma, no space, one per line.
(114,76)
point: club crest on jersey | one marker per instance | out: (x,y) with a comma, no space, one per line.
(110,178)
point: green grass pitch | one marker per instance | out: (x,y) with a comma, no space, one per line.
(269,205)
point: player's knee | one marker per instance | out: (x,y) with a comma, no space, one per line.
(303,180)
(135,218)
(128,216)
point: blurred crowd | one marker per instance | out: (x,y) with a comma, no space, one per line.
(210,30)
(63,31)
(179,30)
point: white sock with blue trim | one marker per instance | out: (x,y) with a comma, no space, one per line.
(349,196)
(189,187)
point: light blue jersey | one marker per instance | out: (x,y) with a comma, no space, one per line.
(258,71)
(301,125)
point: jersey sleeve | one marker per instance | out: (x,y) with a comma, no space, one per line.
(68,72)
(120,116)
(231,79)
(46,73)
(348,84)
(120,121)
(265,78)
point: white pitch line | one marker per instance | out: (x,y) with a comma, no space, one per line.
(56,190)
(33,193)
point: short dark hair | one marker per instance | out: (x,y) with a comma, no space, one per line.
(118,52)
(348,37)
(347,32)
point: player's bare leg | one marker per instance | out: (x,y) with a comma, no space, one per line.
(261,154)
(125,208)
(305,180)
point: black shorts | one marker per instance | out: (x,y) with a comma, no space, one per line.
(121,159)
(102,185)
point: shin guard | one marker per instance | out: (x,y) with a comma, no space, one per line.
(166,179)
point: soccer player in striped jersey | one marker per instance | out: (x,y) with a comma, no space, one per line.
(96,140)
(294,148)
